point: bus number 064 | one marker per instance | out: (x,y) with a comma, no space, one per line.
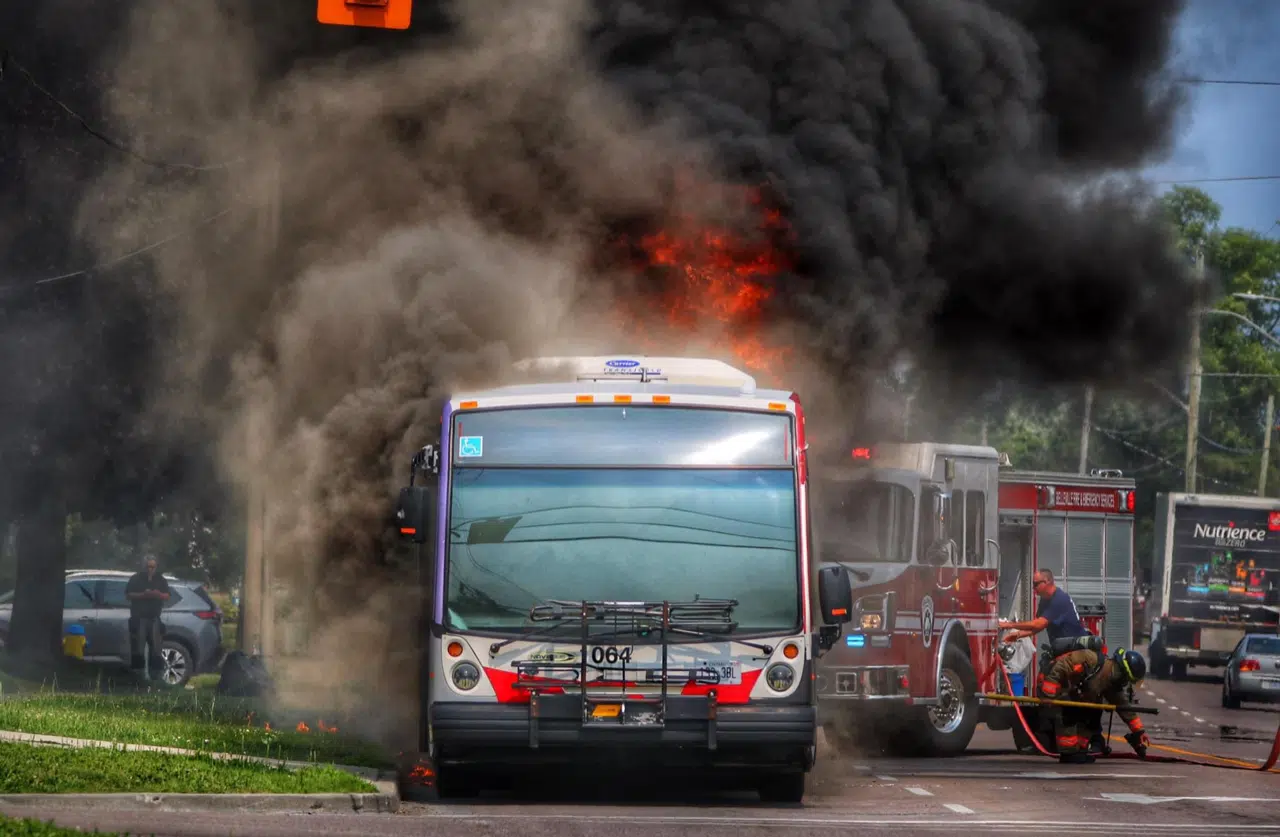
(611,655)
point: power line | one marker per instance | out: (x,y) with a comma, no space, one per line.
(1157,457)
(1221,179)
(1244,82)
(13,287)
(7,60)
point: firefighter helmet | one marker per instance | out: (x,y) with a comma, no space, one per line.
(1131,663)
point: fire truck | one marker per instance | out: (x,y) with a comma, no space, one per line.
(941,542)
(619,562)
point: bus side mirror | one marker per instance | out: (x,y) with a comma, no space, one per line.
(413,513)
(835,595)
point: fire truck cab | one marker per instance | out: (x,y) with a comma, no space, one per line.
(941,542)
(915,524)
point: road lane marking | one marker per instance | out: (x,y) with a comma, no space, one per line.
(1201,721)
(957,808)
(800,820)
(1161,700)
(1144,799)
(886,778)
(919,791)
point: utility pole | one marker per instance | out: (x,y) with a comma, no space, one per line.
(1266,446)
(1193,399)
(256,603)
(983,442)
(1084,428)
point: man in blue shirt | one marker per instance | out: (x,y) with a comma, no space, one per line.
(1056,614)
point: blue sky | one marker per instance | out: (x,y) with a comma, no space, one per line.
(1229,130)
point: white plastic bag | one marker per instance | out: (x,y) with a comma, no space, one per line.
(1024,652)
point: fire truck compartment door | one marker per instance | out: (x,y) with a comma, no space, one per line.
(1015,567)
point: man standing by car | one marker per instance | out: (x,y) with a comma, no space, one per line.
(147,592)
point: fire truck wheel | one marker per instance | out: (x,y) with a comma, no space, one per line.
(953,719)
(781,788)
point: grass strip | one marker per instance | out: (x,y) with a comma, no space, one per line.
(42,828)
(188,720)
(25,768)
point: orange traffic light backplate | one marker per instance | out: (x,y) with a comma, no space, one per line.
(377,14)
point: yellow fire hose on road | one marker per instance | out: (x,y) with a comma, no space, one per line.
(1268,766)
(1106,707)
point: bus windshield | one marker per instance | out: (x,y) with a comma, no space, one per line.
(520,534)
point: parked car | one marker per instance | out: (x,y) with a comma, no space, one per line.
(192,641)
(1253,671)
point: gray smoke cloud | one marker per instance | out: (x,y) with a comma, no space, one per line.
(403,221)
(364,270)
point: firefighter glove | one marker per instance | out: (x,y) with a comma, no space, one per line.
(1139,742)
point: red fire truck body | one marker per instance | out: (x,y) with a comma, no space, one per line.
(941,542)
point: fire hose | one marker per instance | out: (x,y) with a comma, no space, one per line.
(1035,739)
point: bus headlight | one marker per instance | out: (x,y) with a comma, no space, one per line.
(466,676)
(780,676)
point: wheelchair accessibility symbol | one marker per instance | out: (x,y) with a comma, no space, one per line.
(470,446)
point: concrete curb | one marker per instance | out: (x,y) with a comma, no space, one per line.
(386,801)
(367,773)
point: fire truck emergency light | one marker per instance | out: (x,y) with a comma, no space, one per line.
(862,453)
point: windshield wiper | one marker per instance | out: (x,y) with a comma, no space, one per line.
(558,616)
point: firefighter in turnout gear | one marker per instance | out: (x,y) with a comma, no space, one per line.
(1089,677)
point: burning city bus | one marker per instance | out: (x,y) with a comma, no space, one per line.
(620,561)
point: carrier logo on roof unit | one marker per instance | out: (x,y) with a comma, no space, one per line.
(622,364)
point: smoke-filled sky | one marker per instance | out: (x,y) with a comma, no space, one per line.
(441,207)
(1231,131)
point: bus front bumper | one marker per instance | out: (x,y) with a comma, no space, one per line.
(559,722)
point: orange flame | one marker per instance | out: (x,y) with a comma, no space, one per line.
(723,278)
(422,774)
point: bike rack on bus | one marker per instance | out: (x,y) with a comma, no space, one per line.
(699,620)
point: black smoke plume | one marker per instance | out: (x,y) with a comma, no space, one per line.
(443,195)
(933,156)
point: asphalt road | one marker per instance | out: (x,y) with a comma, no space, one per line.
(991,789)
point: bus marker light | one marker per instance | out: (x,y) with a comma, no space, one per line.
(606,710)
(790,651)
(455,649)
(586,399)
(468,405)
(622,399)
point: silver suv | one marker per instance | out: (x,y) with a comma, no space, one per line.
(95,598)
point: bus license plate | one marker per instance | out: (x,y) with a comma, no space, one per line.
(729,674)
(1271,684)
